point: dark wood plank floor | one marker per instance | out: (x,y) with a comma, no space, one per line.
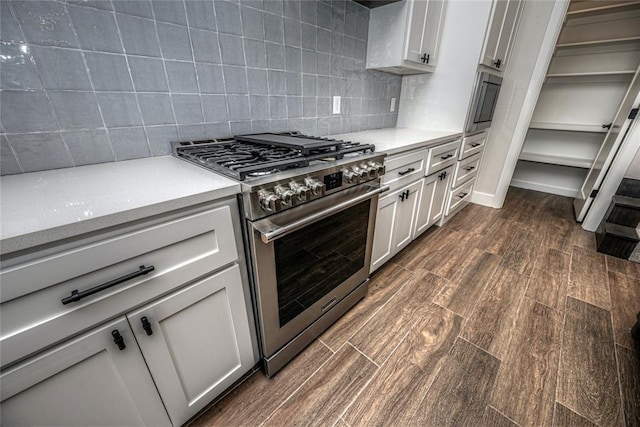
(499,318)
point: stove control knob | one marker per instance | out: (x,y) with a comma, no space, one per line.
(302,191)
(362,171)
(317,187)
(285,194)
(269,201)
(350,176)
(378,166)
(373,171)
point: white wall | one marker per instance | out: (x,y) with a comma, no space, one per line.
(634,168)
(440,100)
(539,26)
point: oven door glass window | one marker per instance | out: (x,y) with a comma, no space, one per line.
(313,261)
(487,102)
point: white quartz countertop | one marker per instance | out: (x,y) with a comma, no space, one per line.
(397,140)
(42,207)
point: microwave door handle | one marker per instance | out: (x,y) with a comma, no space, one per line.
(273,234)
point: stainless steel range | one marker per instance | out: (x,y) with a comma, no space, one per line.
(310,206)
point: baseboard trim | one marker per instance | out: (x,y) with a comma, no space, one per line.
(484,199)
(536,186)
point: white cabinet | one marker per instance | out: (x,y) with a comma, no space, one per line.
(395,223)
(500,33)
(87,381)
(183,327)
(432,200)
(404,36)
(196,342)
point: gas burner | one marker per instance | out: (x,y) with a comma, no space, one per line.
(253,156)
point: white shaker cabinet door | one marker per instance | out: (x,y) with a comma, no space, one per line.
(423,215)
(424,31)
(500,33)
(403,233)
(443,185)
(196,342)
(87,381)
(383,234)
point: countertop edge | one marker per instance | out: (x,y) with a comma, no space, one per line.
(10,245)
(422,144)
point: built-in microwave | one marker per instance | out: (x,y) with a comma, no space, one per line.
(483,102)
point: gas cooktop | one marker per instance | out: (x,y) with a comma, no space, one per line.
(252,156)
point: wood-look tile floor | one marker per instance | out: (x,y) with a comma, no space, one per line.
(499,318)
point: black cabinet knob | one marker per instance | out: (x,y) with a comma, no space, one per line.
(146,325)
(117,338)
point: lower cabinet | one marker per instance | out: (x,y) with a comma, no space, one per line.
(191,345)
(86,381)
(432,200)
(394,223)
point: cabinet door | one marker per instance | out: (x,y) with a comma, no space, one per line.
(86,381)
(196,342)
(383,232)
(500,33)
(507,33)
(423,215)
(425,24)
(403,231)
(443,185)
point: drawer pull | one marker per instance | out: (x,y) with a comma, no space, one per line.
(470,168)
(146,325)
(77,296)
(462,195)
(475,144)
(406,172)
(404,195)
(117,338)
(448,156)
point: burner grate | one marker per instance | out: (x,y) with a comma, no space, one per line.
(248,156)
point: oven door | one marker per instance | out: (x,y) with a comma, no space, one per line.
(484,102)
(309,258)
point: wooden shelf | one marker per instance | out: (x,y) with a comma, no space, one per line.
(598,42)
(568,127)
(556,160)
(561,180)
(598,7)
(596,73)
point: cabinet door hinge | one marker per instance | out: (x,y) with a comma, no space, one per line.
(632,114)
(594,193)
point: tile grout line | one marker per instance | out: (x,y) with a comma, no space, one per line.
(502,413)
(296,390)
(615,350)
(561,347)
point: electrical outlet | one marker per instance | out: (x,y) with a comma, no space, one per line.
(336,105)
(392,108)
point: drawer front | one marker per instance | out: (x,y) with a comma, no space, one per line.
(404,168)
(442,156)
(465,170)
(472,145)
(459,197)
(38,319)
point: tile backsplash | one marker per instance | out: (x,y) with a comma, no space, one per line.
(91,81)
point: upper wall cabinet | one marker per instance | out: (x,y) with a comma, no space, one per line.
(404,36)
(500,33)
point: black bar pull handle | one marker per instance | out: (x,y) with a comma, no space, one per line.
(470,168)
(402,196)
(475,144)
(77,296)
(117,338)
(402,173)
(498,63)
(448,156)
(607,126)
(407,195)
(146,325)
(462,195)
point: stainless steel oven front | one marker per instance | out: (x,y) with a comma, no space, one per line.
(483,102)
(311,264)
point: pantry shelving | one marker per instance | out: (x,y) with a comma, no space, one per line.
(596,58)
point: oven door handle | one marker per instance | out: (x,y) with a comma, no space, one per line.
(273,234)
